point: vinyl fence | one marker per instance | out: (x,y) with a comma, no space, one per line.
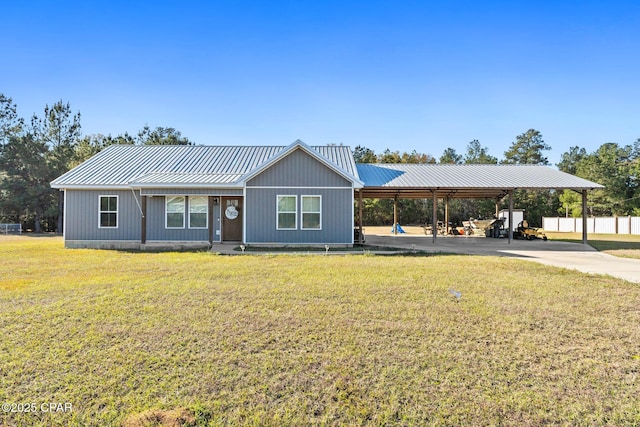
(605,225)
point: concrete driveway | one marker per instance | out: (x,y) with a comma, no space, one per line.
(574,256)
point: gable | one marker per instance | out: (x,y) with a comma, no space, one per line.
(298,169)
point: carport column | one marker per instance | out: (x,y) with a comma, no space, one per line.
(510,216)
(434,221)
(446,215)
(584,217)
(360,212)
(395,214)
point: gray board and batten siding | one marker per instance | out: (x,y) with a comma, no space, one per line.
(298,169)
(82,213)
(299,174)
(157,232)
(336,217)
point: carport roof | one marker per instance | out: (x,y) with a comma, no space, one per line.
(462,181)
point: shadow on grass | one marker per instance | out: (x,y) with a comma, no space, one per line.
(384,251)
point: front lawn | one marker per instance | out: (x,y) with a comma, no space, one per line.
(302,340)
(622,245)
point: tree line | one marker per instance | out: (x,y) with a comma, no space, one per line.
(34,153)
(612,165)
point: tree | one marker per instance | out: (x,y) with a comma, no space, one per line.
(10,123)
(569,161)
(571,202)
(60,131)
(450,156)
(24,160)
(527,149)
(389,156)
(477,154)
(615,167)
(364,155)
(416,158)
(161,136)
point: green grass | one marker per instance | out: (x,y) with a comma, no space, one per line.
(300,340)
(622,245)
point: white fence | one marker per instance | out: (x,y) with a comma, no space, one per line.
(604,225)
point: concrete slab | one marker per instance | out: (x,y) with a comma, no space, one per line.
(574,256)
(587,262)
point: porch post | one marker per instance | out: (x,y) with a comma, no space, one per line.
(510,216)
(395,215)
(434,225)
(584,217)
(360,212)
(143,221)
(210,218)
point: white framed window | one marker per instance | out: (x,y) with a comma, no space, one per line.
(287,213)
(174,209)
(198,212)
(108,212)
(311,212)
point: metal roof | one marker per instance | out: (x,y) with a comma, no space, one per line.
(120,165)
(154,179)
(462,181)
(227,166)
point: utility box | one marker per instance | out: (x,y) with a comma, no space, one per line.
(518,217)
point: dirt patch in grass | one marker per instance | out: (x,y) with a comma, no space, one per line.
(161,418)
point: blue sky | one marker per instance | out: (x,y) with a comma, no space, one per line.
(404,75)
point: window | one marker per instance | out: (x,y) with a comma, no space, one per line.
(311,213)
(198,210)
(287,213)
(108,212)
(175,212)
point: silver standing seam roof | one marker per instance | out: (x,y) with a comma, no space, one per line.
(415,180)
(131,166)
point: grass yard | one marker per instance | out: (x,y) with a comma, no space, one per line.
(143,338)
(622,245)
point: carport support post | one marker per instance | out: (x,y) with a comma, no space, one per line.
(446,215)
(360,212)
(395,215)
(510,216)
(584,217)
(434,222)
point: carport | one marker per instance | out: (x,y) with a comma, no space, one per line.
(448,181)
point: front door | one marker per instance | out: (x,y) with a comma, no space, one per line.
(232,219)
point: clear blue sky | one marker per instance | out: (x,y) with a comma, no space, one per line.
(404,75)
